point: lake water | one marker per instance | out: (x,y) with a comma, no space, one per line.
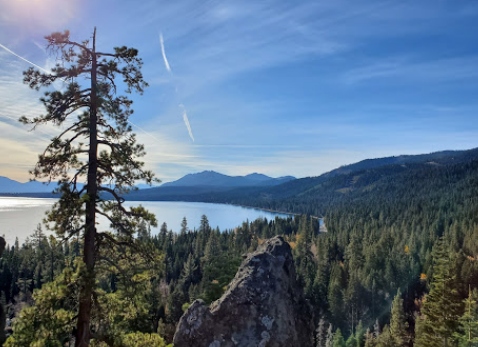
(20,216)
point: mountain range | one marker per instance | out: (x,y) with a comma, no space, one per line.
(215,179)
(205,180)
(302,195)
(288,193)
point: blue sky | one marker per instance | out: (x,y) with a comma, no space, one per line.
(278,87)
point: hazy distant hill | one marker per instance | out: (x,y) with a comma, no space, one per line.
(215,179)
(10,186)
(206,185)
(198,183)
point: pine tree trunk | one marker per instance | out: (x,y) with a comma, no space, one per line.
(89,253)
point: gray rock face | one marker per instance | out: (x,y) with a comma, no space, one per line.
(263,306)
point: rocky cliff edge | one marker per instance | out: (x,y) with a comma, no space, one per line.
(263,306)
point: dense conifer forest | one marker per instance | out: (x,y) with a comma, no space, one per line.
(397,266)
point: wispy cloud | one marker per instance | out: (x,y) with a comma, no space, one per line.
(23,146)
(398,69)
(279,86)
(19,149)
(214,41)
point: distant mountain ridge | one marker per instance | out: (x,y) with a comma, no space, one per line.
(215,179)
(204,181)
(10,186)
(303,193)
(288,193)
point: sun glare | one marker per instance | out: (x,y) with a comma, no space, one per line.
(39,15)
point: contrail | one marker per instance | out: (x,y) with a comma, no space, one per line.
(168,67)
(186,121)
(31,63)
(4,115)
(26,60)
(163,52)
(144,131)
(49,72)
(158,140)
(38,133)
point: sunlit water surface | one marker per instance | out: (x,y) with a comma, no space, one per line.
(20,216)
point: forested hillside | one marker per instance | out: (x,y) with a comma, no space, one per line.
(397,267)
(140,293)
(316,195)
(386,178)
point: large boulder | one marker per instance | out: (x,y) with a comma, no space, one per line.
(263,306)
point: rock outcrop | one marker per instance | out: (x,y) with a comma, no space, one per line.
(263,306)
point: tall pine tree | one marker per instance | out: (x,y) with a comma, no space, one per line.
(398,323)
(442,306)
(467,336)
(95,144)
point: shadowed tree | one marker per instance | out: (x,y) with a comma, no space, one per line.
(184,226)
(2,310)
(338,339)
(95,144)
(442,307)
(467,334)
(398,323)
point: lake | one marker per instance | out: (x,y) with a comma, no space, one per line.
(20,216)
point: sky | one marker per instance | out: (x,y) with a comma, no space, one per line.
(277,87)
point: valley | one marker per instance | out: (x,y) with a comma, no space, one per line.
(397,229)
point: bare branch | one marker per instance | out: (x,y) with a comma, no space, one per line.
(118,198)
